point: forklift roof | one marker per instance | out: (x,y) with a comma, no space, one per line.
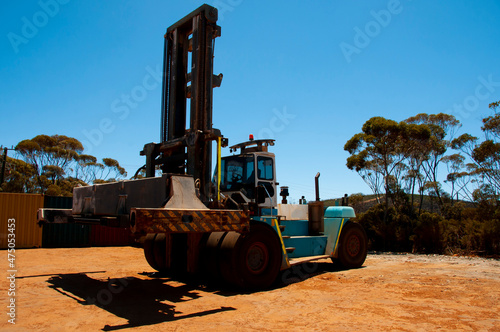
(259,145)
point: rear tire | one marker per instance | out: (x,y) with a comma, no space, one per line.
(209,254)
(228,256)
(155,250)
(352,246)
(149,250)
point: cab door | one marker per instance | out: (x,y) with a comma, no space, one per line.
(266,177)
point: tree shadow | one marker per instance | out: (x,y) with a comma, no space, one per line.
(139,301)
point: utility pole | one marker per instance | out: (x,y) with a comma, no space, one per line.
(2,175)
(4,162)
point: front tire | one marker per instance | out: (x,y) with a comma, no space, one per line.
(352,246)
(252,260)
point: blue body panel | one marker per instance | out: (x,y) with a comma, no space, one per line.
(295,227)
(296,233)
(332,230)
(306,245)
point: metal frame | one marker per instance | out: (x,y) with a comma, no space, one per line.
(188,150)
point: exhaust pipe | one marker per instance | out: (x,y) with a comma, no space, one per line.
(315,212)
(316,184)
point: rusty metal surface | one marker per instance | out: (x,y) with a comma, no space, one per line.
(103,236)
(111,199)
(183,194)
(187,221)
(316,218)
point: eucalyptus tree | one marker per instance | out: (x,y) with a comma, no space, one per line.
(428,157)
(55,164)
(382,148)
(486,154)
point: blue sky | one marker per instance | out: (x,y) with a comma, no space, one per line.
(306,73)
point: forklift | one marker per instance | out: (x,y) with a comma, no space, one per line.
(227,225)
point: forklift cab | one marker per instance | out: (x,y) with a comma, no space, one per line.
(250,175)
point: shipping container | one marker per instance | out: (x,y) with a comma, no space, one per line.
(103,236)
(21,210)
(65,235)
(57,202)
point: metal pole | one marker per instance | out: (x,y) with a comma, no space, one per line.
(219,160)
(3,165)
(316,182)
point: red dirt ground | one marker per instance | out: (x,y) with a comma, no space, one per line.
(91,289)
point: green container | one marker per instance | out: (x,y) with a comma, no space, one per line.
(57,202)
(65,236)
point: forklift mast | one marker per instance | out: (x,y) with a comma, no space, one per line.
(188,82)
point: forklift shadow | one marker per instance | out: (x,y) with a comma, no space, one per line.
(307,270)
(141,302)
(296,273)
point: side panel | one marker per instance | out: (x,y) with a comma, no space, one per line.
(119,197)
(306,246)
(333,227)
(295,227)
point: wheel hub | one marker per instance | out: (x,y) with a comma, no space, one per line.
(257,258)
(353,246)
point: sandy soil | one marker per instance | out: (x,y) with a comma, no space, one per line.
(94,289)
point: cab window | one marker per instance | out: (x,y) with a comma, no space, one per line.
(237,172)
(265,168)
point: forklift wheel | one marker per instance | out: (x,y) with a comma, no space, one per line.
(148,250)
(209,254)
(352,246)
(251,260)
(155,251)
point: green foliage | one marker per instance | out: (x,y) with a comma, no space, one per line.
(380,151)
(398,159)
(427,237)
(19,176)
(54,165)
(427,158)
(485,155)
(460,230)
(387,229)
(472,236)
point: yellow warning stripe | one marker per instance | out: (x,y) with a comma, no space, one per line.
(334,253)
(170,220)
(275,224)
